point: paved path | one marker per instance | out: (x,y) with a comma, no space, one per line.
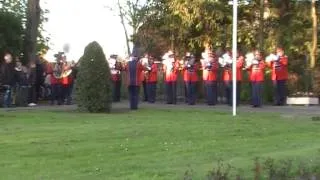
(289,111)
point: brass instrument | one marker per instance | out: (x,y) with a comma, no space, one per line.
(147,66)
(275,59)
(115,65)
(61,69)
(207,60)
(169,62)
(225,60)
(58,70)
(249,60)
(189,62)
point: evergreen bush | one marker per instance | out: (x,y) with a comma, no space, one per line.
(93,86)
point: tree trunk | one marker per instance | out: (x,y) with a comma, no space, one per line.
(121,14)
(314,47)
(31,34)
(261,24)
(284,21)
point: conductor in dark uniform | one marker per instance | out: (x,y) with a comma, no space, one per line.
(134,69)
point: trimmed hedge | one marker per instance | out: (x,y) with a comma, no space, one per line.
(93,86)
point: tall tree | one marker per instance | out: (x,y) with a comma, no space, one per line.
(132,14)
(314,47)
(32,32)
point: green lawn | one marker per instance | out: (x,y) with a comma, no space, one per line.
(144,145)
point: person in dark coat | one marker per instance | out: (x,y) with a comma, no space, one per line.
(7,79)
(21,87)
(134,70)
(32,80)
(39,77)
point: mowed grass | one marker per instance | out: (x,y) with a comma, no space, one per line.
(147,144)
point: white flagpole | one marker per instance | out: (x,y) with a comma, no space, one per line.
(234,57)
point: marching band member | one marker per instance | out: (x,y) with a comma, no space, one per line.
(170,69)
(134,70)
(210,68)
(145,62)
(151,78)
(56,81)
(190,78)
(66,82)
(256,76)
(115,69)
(226,63)
(279,67)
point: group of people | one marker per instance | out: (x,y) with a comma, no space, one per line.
(19,85)
(23,85)
(144,71)
(60,78)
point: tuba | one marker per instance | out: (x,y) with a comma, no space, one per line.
(61,69)
(58,70)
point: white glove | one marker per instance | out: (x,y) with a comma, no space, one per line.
(277,58)
(149,68)
(255,62)
(188,65)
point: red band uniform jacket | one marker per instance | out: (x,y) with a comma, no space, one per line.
(210,74)
(190,74)
(153,74)
(279,68)
(171,72)
(256,72)
(227,73)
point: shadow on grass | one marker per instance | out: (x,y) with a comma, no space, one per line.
(269,169)
(77,111)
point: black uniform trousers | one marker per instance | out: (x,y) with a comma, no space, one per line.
(229,92)
(211,90)
(191,92)
(56,94)
(171,91)
(33,94)
(116,91)
(257,93)
(151,89)
(22,93)
(66,93)
(133,96)
(145,90)
(280,92)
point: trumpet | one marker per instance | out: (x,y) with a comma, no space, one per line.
(272,57)
(225,60)
(189,62)
(207,63)
(169,63)
(249,58)
(275,59)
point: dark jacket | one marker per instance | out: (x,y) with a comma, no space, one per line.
(39,73)
(21,78)
(32,79)
(7,74)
